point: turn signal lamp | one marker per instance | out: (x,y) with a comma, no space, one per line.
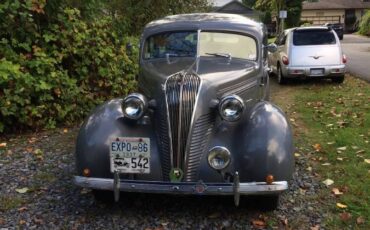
(269,179)
(86,172)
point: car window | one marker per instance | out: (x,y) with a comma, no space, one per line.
(235,45)
(173,44)
(281,39)
(313,37)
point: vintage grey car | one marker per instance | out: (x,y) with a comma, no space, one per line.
(200,123)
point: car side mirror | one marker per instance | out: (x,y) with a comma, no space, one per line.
(272,48)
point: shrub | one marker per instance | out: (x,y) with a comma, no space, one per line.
(56,72)
(365,24)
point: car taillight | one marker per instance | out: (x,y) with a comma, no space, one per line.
(285,60)
(344,59)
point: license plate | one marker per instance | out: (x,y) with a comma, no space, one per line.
(130,155)
(317,71)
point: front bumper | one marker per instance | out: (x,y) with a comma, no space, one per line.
(250,188)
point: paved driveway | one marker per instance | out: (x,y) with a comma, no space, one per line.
(357,49)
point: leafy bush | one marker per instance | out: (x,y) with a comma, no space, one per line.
(365,24)
(54,72)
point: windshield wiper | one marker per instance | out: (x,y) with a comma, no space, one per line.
(225,55)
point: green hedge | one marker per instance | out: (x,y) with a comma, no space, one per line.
(364,28)
(55,72)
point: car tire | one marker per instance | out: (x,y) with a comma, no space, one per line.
(103,196)
(338,79)
(341,37)
(268,202)
(280,77)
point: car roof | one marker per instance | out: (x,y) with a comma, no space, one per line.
(204,21)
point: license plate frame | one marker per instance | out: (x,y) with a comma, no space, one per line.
(317,71)
(130,155)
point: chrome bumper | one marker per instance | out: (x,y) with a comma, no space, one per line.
(250,188)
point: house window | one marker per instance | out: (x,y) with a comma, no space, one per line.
(320,13)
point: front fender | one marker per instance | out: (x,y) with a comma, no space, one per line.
(266,145)
(93,141)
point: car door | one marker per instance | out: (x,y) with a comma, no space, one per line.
(274,57)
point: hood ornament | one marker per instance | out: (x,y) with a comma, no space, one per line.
(316,57)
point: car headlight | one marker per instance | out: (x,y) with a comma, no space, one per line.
(134,106)
(219,157)
(231,108)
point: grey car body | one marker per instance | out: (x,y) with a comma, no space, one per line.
(259,143)
(308,52)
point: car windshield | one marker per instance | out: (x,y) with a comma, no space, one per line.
(171,44)
(227,45)
(184,44)
(313,37)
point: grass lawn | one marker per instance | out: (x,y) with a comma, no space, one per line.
(332,128)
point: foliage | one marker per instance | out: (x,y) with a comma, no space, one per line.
(56,69)
(364,27)
(130,16)
(293,7)
(249,3)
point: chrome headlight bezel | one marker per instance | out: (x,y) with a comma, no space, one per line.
(232,100)
(219,152)
(138,104)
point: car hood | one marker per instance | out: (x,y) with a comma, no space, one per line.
(215,70)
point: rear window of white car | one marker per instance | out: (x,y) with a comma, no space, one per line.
(313,37)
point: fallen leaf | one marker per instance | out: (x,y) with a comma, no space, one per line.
(326,164)
(22,209)
(65,130)
(38,152)
(340,158)
(345,216)
(328,182)
(22,222)
(339,205)
(367,161)
(309,169)
(354,147)
(285,221)
(317,147)
(214,215)
(2,221)
(336,191)
(29,149)
(258,223)
(38,221)
(164,223)
(360,151)
(316,227)
(342,148)
(297,154)
(331,143)
(2,145)
(84,191)
(22,190)
(360,220)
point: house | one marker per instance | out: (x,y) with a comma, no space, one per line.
(347,12)
(236,7)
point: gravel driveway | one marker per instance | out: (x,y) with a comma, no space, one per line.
(36,192)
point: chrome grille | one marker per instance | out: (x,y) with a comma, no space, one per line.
(181,92)
(199,139)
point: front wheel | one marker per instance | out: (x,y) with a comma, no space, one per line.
(281,78)
(338,79)
(268,202)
